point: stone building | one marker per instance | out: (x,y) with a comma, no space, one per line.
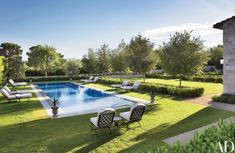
(228,27)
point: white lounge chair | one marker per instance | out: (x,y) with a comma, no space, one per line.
(125,83)
(135,86)
(90,78)
(94,80)
(15,92)
(10,97)
(134,115)
(15,84)
(103,120)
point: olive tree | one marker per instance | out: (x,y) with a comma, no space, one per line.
(183,55)
(43,58)
(72,67)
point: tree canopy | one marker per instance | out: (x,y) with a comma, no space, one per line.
(14,67)
(140,55)
(183,55)
(44,58)
(72,67)
(216,54)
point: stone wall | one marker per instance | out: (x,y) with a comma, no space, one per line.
(229,56)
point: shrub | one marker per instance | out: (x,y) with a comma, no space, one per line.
(208,78)
(40,73)
(56,78)
(225,98)
(162,88)
(207,141)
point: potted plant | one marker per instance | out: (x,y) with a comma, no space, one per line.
(54,108)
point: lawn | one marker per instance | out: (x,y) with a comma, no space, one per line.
(210,88)
(25,127)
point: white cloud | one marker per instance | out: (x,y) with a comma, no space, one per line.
(210,35)
(198,30)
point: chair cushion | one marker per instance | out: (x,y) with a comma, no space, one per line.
(116,85)
(125,115)
(127,87)
(94,121)
(21,91)
(26,95)
(12,97)
(20,83)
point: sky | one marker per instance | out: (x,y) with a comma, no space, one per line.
(73,26)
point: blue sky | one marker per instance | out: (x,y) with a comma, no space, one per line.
(73,26)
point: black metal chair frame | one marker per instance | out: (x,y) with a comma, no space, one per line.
(105,121)
(136,116)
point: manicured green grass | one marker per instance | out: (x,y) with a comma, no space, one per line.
(210,88)
(25,127)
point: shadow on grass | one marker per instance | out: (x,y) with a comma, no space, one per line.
(53,135)
(150,138)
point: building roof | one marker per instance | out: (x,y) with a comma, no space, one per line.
(219,25)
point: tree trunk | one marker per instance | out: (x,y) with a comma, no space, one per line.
(144,77)
(180,82)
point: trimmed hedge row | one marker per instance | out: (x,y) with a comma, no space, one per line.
(225,98)
(163,88)
(209,78)
(207,141)
(52,78)
(201,78)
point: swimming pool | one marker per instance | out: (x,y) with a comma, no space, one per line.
(75,99)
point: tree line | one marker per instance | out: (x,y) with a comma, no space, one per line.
(183,55)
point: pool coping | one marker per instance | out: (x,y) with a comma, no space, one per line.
(132,99)
(43,98)
(46,101)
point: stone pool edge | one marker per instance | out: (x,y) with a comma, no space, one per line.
(45,100)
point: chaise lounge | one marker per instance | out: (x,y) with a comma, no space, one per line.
(15,84)
(91,81)
(125,83)
(15,92)
(135,86)
(11,97)
(90,78)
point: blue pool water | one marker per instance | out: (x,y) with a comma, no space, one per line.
(75,99)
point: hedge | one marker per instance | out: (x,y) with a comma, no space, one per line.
(216,78)
(205,142)
(163,88)
(225,98)
(52,78)
(40,73)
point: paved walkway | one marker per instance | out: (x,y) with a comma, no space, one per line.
(207,101)
(187,136)
(204,101)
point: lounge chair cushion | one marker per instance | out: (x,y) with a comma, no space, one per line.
(127,87)
(6,94)
(94,120)
(20,83)
(26,95)
(116,85)
(126,115)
